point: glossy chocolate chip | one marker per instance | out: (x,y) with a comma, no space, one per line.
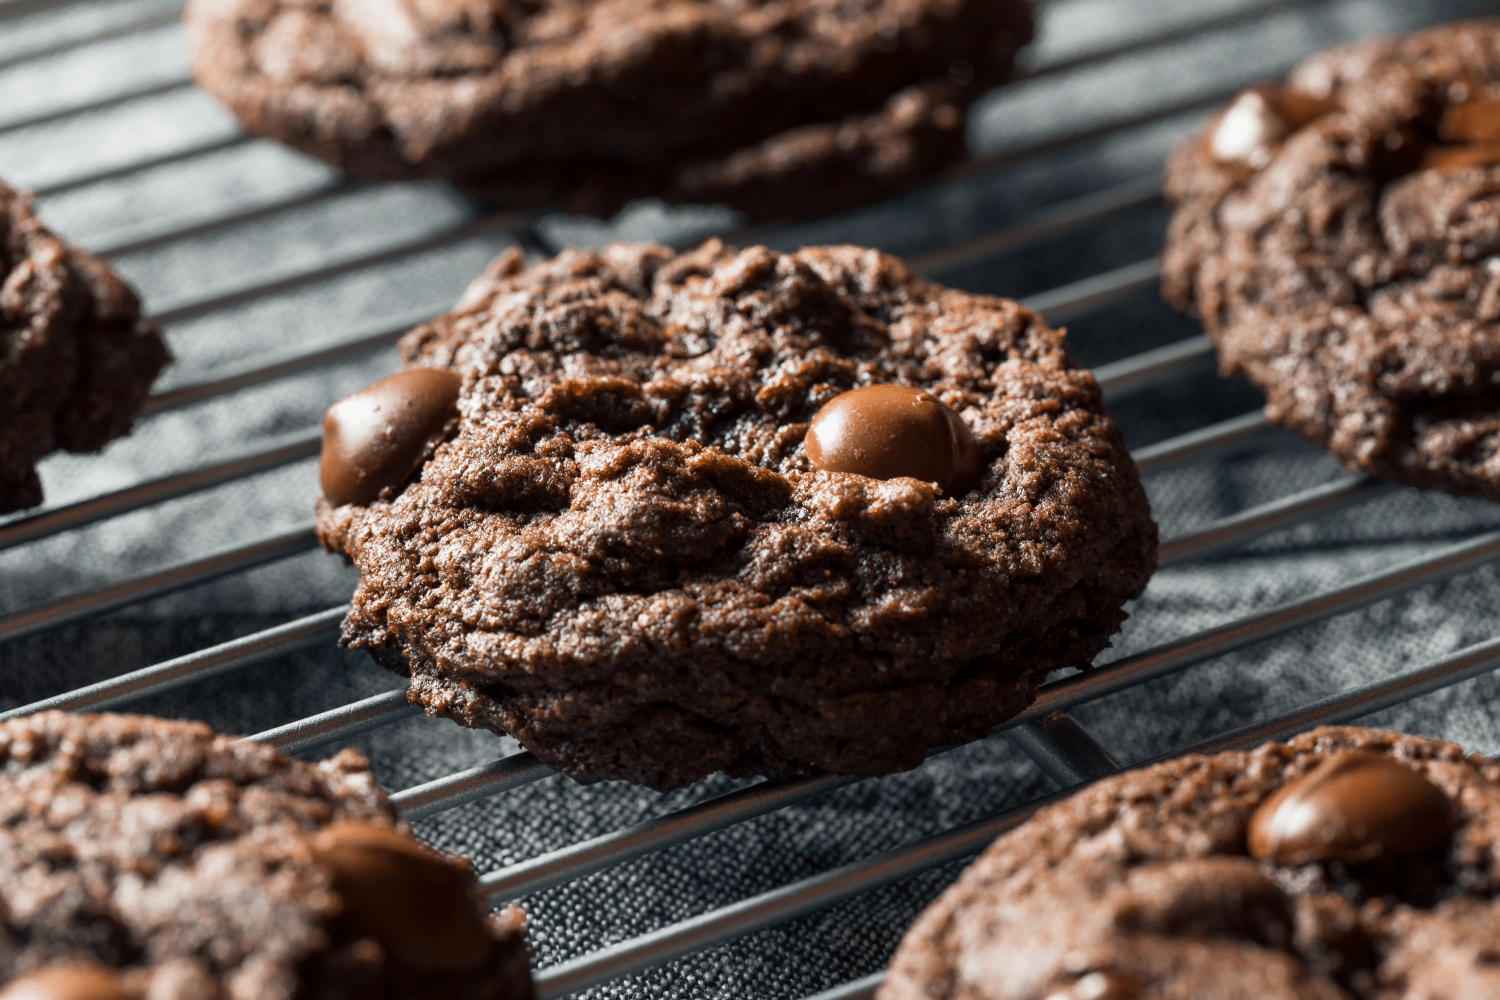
(1259,120)
(1355,806)
(374,438)
(886,431)
(412,901)
(1481,154)
(68,982)
(1099,986)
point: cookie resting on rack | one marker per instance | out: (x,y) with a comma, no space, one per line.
(658,515)
(1339,235)
(1345,864)
(145,859)
(799,106)
(76,359)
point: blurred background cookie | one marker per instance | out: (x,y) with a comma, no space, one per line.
(776,109)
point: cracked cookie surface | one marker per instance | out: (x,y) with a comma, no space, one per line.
(1339,235)
(186,865)
(1141,887)
(621,554)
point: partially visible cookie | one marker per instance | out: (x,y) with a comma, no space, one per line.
(779,109)
(76,358)
(1345,864)
(146,858)
(658,515)
(1339,235)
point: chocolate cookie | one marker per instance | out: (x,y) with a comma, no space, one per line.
(784,108)
(1339,235)
(592,513)
(76,359)
(1347,863)
(146,858)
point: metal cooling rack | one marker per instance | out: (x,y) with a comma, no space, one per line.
(1045,732)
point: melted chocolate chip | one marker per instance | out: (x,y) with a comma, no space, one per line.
(68,982)
(1261,119)
(886,431)
(374,438)
(412,901)
(1356,806)
(1099,986)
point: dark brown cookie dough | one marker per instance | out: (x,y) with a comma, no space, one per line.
(182,865)
(1339,235)
(786,108)
(76,359)
(623,556)
(1375,878)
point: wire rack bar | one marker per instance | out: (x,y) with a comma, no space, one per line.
(485,224)
(12,9)
(1069,216)
(51,522)
(1062,304)
(189,152)
(340,723)
(201,391)
(1173,656)
(100,600)
(1257,521)
(859,989)
(1141,371)
(103,104)
(828,888)
(1063,749)
(285,203)
(476,783)
(611,849)
(160,20)
(1214,439)
(1338,709)
(221,659)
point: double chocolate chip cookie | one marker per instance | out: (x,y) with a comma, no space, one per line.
(76,359)
(1347,864)
(779,108)
(1339,235)
(141,858)
(658,515)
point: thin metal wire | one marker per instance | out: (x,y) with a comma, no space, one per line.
(103,599)
(189,152)
(236,654)
(857,878)
(1215,439)
(285,203)
(137,94)
(158,20)
(476,783)
(339,723)
(1063,749)
(1120,378)
(1247,524)
(50,522)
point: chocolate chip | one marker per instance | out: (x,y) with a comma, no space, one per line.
(68,982)
(1261,119)
(886,431)
(374,438)
(1355,806)
(412,901)
(1099,986)
(1471,122)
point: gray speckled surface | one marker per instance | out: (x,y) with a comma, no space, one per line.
(829,947)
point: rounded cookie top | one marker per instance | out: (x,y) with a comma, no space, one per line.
(624,556)
(1338,234)
(178,863)
(602,100)
(1346,863)
(76,359)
